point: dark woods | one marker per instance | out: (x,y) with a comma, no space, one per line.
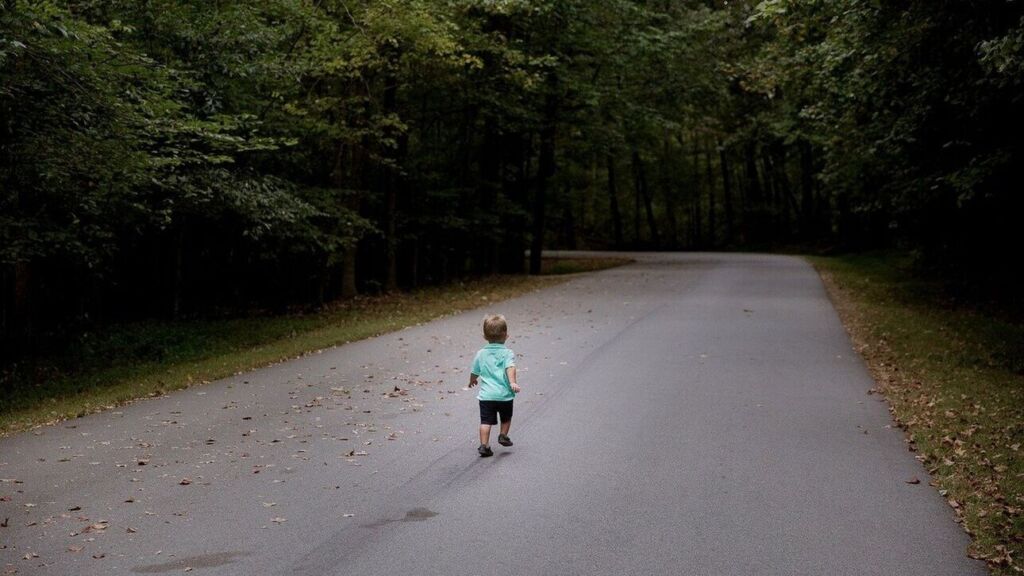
(173,158)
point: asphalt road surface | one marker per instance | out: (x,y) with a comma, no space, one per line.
(687,414)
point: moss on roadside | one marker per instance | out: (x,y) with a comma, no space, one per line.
(954,380)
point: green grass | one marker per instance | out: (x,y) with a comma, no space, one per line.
(559,266)
(954,379)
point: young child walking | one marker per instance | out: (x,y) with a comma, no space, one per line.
(494,368)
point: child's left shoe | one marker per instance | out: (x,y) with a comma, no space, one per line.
(504,440)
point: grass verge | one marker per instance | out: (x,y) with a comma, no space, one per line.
(571,265)
(954,379)
(122,363)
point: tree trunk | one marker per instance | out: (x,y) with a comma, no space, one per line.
(388,181)
(613,198)
(414,266)
(644,192)
(723,160)
(391,281)
(348,254)
(807,208)
(22,304)
(12,307)
(669,192)
(743,214)
(770,204)
(516,189)
(710,179)
(348,272)
(694,225)
(636,209)
(6,307)
(783,190)
(753,196)
(698,223)
(545,170)
(568,221)
(698,190)
(670,215)
(490,180)
(177,280)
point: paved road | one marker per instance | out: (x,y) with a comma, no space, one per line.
(687,414)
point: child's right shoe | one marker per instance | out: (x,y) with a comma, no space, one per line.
(504,440)
(485,451)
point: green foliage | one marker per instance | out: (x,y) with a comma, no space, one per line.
(185,156)
(912,106)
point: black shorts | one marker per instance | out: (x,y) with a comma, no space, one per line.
(491,409)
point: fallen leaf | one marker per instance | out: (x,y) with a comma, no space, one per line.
(913,480)
(98,556)
(74,508)
(76,548)
(98,527)
(279,520)
(185,482)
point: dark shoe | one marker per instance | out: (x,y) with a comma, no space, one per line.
(485,451)
(504,440)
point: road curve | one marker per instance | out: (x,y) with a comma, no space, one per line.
(694,414)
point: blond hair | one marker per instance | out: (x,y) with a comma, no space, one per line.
(495,328)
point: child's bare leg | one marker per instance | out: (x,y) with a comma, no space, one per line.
(485,434)
(505,426)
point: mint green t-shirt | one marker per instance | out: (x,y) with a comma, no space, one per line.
(489,366)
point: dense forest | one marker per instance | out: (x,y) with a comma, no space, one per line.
(169,158)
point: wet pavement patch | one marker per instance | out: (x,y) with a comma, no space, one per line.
(202,561)
(414,515)
(418,515)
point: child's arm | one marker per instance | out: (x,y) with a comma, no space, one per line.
(511,373)
(472,380)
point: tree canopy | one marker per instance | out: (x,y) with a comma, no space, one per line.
(169,157)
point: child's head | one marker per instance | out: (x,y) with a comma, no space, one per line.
(495,328)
